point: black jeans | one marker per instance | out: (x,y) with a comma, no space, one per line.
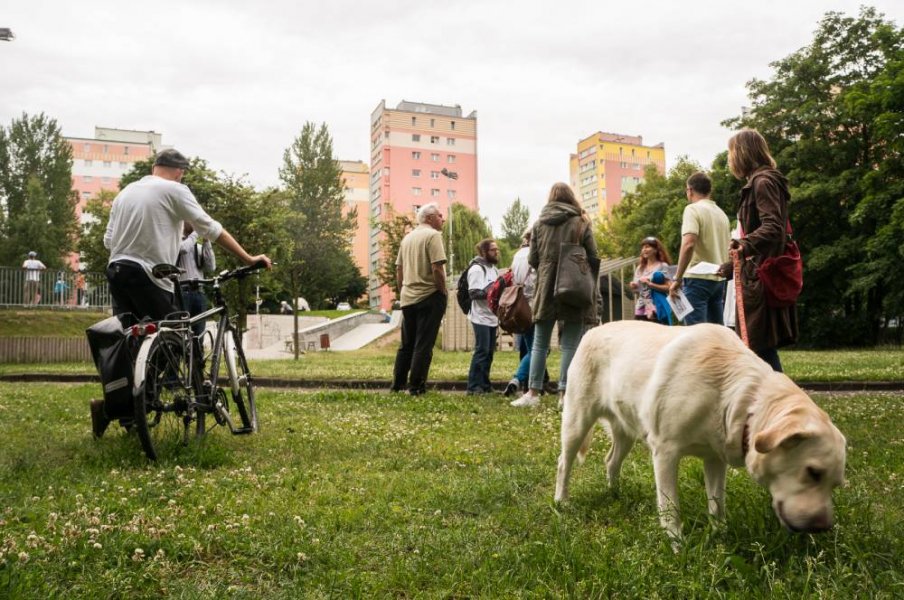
(420,324)
(134,292)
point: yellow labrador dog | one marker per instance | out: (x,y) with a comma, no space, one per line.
(699,391)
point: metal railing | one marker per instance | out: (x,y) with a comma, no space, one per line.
(53,289)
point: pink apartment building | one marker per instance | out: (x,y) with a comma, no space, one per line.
(98,163)
(356,181)
(411,145)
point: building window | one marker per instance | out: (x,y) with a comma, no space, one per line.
(415,191)
(450,141)
(434,174)
(415,172)
(87,178)
(632,151)
(434,192)
(413,121)
(89,163)
(450,158)
(416,155)
(452,124)
(623,165)
(123,164)
(105,180)
(87,147)
(415,137)
(432,122)
(434,157)
(107,163)
(106,148)
(451,194)
(86,195)
(125,150)
(434,139)
(620,152)
(637,166)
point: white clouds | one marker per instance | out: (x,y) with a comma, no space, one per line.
(233,81)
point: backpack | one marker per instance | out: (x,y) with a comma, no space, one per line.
(461,289)
(514,312)
(495,291)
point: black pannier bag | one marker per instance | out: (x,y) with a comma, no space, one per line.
(114,357)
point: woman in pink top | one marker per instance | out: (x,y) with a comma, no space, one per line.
(653,257)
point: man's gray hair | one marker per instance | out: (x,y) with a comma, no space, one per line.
(427,210)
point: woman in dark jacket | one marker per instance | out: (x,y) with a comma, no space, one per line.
(561,220)
(762,215)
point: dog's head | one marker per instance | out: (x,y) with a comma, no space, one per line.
(799,456)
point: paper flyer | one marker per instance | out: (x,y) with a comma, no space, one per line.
(680,305)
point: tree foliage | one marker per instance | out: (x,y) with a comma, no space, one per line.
(833,113)
(393,228)
(37,203)
(514,222)
(320,266)
(468,229)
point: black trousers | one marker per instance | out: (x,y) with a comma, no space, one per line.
(134,292)
(420,324)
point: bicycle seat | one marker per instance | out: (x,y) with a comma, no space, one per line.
(163,271)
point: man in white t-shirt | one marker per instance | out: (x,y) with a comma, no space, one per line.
(33,268)
(482,274)
(145,229)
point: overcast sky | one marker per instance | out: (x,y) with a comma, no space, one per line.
(233,81)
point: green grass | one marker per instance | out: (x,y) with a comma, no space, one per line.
(375,364)
(44,323)
(351,494)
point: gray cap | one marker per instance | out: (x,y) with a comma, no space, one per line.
(171,158)
(32,254)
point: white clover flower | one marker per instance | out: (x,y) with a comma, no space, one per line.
(23,557)
(97,546)
(138,555)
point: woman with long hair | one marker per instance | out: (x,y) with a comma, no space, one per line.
(763,218)
(653,258)
(561,220)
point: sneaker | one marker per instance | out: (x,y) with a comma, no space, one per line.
(511,388)
(99,420)
(528,400)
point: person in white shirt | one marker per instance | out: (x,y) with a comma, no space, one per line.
(33,268)
(482,274)
(145,229)
(526,276)
(196,257)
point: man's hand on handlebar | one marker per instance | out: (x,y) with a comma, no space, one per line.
(261,258)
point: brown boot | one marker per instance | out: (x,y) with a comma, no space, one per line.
(99,420)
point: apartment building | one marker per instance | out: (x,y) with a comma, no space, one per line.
(609,165)
(420,153)
(99,163)
(356,181)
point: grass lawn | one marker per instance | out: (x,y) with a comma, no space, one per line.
(353,494)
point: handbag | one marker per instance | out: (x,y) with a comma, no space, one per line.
(574,277)
(783,275)
(514,312)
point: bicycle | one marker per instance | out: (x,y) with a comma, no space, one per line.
(171,390)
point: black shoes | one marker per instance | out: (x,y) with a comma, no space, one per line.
(512,388)
(99,420)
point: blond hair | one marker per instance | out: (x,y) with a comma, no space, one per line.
(747,152)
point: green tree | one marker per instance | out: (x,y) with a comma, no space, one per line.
(468,228)
(514,222)
(95,255)
(319,232)
(832,114)
(37,202)
(393,228)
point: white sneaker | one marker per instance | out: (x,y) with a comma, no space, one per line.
(526,401)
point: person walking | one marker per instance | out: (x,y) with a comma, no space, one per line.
(705,237)
(421,280)
(526,276)
(144,230)
(561,220)
(31,290)
(762,217)
(482,273)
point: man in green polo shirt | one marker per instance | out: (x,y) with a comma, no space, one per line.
(705,237)
(421,277)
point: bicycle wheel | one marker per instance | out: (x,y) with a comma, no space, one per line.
(165,409)
(241,386)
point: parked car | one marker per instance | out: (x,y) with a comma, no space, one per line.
(343,306)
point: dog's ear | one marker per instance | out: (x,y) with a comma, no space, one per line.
(787,433)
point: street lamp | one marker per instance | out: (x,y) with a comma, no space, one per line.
(450,175)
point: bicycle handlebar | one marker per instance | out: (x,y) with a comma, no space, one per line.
(239,273)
